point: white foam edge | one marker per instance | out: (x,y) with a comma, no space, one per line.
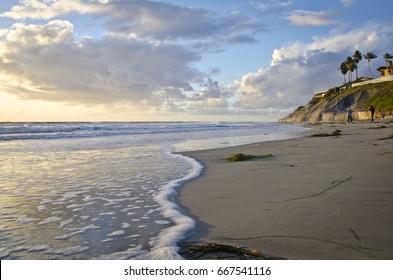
(164,246)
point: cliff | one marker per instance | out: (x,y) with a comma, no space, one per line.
(331,105)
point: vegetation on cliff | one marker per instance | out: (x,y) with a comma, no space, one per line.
(383,99)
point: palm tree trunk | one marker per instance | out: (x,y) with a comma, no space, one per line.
(369,68)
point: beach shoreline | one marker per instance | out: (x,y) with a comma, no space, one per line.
(315,198)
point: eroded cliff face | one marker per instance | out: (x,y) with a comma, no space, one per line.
(332,106)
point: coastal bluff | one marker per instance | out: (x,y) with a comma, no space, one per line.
(330,106)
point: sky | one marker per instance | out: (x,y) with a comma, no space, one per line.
(173,60)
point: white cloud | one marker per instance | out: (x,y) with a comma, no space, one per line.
(46,62)
(347,3)
(39,9)
(55,66)
(54,32)
(271,5)
(314,18)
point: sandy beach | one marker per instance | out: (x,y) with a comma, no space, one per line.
(316,198)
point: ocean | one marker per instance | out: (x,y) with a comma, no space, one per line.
(105,190)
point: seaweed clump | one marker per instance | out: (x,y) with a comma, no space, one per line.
(243,157)
(337,132)
(195,251)
(378,127)
(387,138)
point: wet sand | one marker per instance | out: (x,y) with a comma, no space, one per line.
(316,198)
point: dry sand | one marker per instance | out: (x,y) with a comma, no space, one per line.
(316,198)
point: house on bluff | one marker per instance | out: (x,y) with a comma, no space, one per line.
(386,71)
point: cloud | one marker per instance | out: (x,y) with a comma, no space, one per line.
(47,62)
(144,60)
(299,69)
(267,89)
(347,3)
(36,9)
(163,21)
(55,32)
(271,5)
(314,18)
(145,18)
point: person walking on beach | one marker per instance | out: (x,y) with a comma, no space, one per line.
(372,110)
(349,114)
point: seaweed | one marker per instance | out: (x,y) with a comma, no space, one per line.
(193,251)
(386,138)
(378,127)
(337,132)
(243,157)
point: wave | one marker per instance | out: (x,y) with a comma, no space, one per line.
(45,130)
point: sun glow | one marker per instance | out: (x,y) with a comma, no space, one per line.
(18,110)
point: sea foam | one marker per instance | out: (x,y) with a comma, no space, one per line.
(104,190)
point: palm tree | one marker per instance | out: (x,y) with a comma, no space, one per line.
(357,57)
(387,56)
(369,56)
(351,66)
(344,70)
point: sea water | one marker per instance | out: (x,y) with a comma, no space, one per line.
(105,190)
